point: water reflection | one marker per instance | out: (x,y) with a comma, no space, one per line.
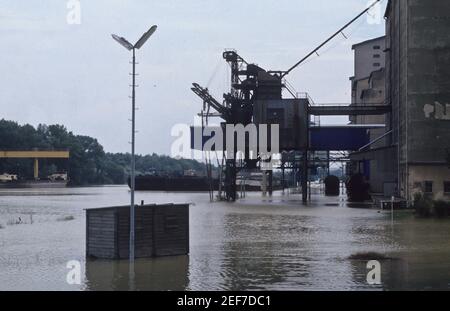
(258,253)
(156,274)
(257,243)
(393,272)
(400,274)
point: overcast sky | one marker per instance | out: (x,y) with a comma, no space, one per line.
(76,75)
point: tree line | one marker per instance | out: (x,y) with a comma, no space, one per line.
(89,164)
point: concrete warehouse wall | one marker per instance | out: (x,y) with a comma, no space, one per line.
(437,174)
(418,86)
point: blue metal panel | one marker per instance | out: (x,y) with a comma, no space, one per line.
(321,138)
(366,166)
(339,138)
(199,139)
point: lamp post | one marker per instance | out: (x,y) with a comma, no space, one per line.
(130,47)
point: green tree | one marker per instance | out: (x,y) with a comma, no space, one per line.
(88,163)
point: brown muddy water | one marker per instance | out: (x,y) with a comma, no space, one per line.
(255,244)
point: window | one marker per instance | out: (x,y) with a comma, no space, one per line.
(447,187)
(428,187)
(376,56)
(376,64)
(377,47)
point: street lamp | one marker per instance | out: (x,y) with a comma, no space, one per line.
(130,47)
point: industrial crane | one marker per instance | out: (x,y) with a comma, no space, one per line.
(250,83)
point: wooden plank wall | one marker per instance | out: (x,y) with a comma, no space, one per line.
(100,234)
(161,230)
(171,230)
(143,233)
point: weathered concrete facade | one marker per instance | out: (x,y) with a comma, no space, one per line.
(374,94)
(382,168)
(369,57)
(418,87)
(368,83)
(368,88)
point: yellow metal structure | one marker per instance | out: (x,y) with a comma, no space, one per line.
(36,155)
(36,168)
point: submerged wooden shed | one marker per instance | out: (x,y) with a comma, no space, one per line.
(160,230)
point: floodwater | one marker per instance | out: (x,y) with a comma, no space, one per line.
(255,244)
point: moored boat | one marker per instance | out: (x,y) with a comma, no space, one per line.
(11,181)
(173,183)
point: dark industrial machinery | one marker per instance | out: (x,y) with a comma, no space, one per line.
(250,85)
(358,188)
(256,97)
(332,184)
